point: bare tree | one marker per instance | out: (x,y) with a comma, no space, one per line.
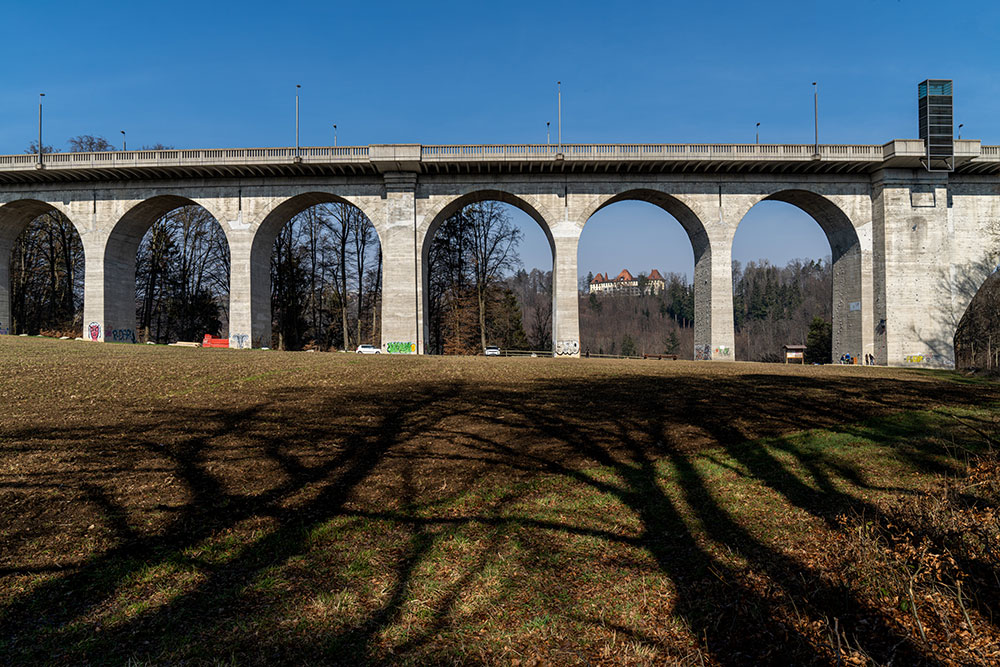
(362,232)
(492,250)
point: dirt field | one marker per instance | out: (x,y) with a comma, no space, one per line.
(168,505)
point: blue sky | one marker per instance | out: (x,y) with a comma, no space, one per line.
(212,74)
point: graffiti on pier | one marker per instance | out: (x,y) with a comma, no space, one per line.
(723,351)
(94,331)
(702,352)
(567,347)
(3,330)
(239,341)
(123,335)
(400,348)
(922,358)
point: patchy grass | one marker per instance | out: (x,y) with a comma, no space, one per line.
(164,505)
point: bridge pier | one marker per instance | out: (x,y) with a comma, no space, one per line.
(402,284)
(565,292)
(714,328)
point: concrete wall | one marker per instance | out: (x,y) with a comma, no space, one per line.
(910,248)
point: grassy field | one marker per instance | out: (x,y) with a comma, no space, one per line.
(162,505)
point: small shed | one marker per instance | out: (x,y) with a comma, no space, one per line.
(795,353)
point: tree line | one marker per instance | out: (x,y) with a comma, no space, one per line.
(470,303)
(774,306)
(326,280)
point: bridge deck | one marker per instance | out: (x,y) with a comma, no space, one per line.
(537,158)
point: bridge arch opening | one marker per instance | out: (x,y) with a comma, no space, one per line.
(166,274)
(41,270)
(316,274)
(976,342)
(797,256)
(640,255)
(487,278)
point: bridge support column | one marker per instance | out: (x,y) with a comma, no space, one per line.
(850,309)
(913,226)
(6,248)
(565,294)
(401,280)
(109,276)
(249,293)
(714,329)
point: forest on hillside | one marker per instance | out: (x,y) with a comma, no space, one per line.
(772,306)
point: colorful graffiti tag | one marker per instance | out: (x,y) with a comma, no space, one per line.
(400,348)
(3,330)
(567,347)
(239,341)
(702,352)
(723,351)
(921,358)
(123,335)
(94,330)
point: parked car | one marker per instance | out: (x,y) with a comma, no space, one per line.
(368,349)
(492,351)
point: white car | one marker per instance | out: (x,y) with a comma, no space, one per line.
(492,351)
(368,349)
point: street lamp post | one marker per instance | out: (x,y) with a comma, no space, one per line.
(960,126)
(124,142)
(297,87)
(334,135)
(756,138)
(548,134)
(816,117)
(559,110)
(40,96)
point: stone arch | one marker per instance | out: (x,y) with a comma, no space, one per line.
(707,321)
(433,219)
(846,257)
(15,216)
(264,234)
(975,293)
(120,248)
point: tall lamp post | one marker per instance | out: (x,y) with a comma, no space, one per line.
(559,111)
(40,96)
(756,136)
(548,134)
(334,135)
(124,142)
(816,117)
(297,87)
(960,126)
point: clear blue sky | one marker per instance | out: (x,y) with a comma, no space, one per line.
(207,74)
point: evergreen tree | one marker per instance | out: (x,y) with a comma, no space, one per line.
(819,342)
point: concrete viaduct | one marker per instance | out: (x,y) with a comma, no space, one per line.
(910,246)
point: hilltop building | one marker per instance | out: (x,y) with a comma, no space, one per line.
(625,283)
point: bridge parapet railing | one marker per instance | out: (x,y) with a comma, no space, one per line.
(990,151)
(189,156)
(650,151)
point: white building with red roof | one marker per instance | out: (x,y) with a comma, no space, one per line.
(626,283)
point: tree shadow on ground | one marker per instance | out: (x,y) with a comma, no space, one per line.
(263,480)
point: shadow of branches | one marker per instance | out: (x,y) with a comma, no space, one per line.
(461,520)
